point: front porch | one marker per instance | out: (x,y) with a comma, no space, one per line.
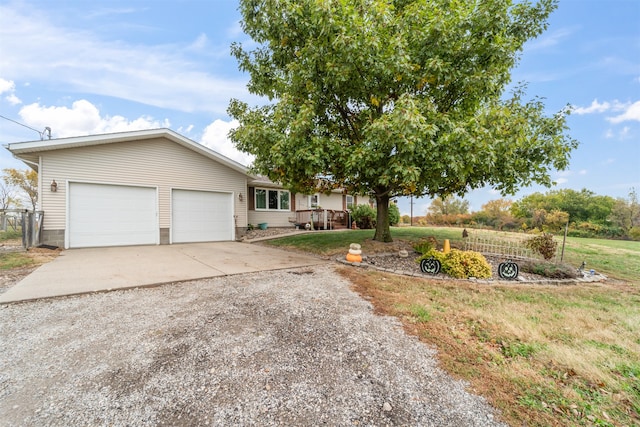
(321,219)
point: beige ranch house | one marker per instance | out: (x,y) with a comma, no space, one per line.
(153,187)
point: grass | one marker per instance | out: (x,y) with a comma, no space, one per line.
(12,260)
(332,243)
(615,258)
(10,235)
(32,258)
(543,355)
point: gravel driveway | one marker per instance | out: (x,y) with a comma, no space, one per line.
(293,347)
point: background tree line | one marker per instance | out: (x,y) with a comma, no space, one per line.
(588,214)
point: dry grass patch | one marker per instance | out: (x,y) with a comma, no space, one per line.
(543,355)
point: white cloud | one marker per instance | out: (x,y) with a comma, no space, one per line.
(35,49)
(215,137)
(550,39)
(582,172)
(561,180)
(9,87)
(631,112)
(13,99)
(595,107)
(200,43)
(83,118)
(6,86)
(624,133)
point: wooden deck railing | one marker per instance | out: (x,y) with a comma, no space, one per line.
(322,219)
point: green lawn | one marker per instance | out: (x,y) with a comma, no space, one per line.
(10,235)
(615,258)
(331,243)
(11,260)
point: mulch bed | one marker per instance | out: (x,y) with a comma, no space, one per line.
(409,264)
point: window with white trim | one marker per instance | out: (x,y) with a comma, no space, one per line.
(314,201)
(272,200)
(349,201)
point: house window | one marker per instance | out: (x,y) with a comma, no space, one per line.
(349,201)
(272,200)
(314,201)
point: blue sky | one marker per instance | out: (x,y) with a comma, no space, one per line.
(82,67)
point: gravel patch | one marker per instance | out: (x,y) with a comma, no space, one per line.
(294,347)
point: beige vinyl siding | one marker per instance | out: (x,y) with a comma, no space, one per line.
(272,218)
(331,201)
(156,163)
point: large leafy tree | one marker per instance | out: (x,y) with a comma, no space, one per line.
(448,205)
(26,181)
(583,205)
(394,97)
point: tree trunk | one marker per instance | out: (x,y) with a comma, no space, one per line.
(383,234)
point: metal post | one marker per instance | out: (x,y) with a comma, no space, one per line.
(566,229)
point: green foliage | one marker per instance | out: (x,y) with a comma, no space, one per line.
(394,98)
(461,264)
(581,205)
(364,216)
(544,244)
(26,181)
(465,264)
(449,205)
(634,233)
(425,245)
(394,214)
(433,253)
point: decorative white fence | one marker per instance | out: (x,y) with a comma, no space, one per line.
(512,248)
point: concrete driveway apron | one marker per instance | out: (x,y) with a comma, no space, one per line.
(79,271)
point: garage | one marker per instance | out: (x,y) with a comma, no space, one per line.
(112,215)
(201,216)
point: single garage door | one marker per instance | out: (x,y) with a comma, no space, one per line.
(112,215)
(201,216)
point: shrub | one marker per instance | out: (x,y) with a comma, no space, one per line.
(364,216)
(432,253)
(465,264)
(634,233)
(461,264)
(394,214)
(424,245)
(543,244)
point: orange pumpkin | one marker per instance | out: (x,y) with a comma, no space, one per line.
(354,258)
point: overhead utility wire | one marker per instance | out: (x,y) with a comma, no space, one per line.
(46,130)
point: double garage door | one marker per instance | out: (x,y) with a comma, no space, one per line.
(118,215)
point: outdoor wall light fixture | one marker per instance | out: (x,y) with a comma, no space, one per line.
(54,186)
(240,197)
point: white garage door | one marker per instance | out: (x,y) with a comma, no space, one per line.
(201,216)
(112,215)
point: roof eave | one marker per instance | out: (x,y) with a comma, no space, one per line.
(20,149)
